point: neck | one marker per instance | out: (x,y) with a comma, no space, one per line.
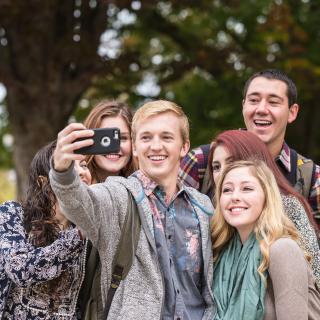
(170,191)
(63,223)
(244,234)
(102,175)
(275,148)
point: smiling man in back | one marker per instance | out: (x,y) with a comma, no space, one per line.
(269,105)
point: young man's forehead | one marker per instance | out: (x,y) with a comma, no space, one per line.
(267,84)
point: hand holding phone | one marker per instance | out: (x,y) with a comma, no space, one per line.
(106,140)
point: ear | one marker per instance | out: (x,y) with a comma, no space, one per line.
(293,112)
(134,150)
(185,148)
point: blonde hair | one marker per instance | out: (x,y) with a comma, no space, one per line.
(156,107)
(272,223)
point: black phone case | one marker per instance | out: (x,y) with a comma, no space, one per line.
(106,140)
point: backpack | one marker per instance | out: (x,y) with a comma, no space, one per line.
(90,300)
(302,173)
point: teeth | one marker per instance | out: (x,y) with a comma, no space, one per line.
(237,209)
(262,122)
(157,158)
(112,156)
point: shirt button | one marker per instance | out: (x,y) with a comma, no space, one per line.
(178,291)
(169,236)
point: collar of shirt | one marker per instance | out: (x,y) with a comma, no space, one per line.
(284,157)
(151,187)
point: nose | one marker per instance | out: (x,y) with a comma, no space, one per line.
(235,196)
(156,144)
(262,107)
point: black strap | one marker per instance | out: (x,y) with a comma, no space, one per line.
(206,184)
(91,266)
(126,250)
(292,175)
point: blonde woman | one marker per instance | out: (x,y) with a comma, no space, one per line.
(260,271)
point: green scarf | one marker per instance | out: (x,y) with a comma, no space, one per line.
(238,288)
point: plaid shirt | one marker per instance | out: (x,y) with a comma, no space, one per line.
(193,166)
(314,194)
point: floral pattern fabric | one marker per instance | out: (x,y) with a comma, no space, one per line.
(38,283)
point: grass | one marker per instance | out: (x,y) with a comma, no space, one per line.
(7,187)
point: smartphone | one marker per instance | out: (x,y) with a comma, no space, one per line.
(106,140)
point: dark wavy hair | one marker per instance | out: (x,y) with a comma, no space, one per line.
(39,206)
(94,119)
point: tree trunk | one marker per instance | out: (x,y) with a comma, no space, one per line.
(35,120)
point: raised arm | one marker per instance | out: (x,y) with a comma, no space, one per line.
(87,207)
(25,264)
(289,276)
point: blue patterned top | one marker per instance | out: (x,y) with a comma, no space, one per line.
(25,271)
(178,242)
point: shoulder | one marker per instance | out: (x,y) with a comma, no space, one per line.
(119,186)
(291,202)
(198,155)
(200,200)
(285,249)
(10,206)
(10,210)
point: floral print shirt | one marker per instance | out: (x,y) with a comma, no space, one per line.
(38,283)
(178,242)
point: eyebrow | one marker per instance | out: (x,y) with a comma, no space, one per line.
(227,159)
(272,95)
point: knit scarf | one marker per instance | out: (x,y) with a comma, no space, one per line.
(238,288)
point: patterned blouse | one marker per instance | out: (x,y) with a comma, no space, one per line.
(38,283)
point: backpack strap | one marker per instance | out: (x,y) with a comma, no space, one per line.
(126,250)
(305,174)
(206,185)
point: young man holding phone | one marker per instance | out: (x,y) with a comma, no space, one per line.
(171,273)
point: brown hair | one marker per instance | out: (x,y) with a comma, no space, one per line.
(102,110)
(39,206)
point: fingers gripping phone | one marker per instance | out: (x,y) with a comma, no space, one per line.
(106,140)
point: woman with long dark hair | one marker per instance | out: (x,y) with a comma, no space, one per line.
(42,254)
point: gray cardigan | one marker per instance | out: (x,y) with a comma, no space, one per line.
(100,210)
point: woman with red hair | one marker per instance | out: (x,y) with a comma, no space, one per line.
(234,145)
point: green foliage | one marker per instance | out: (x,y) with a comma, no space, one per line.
(5,151)
(7,187)
(200,55)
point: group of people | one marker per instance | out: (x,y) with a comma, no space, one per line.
(229,230)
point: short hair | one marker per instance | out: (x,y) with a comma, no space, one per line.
(272,223)
(105,109)
(275,74)
(156,107)
(245,145)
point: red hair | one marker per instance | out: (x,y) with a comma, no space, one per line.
(244,145)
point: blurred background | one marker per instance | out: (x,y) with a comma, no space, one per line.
(59,58)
